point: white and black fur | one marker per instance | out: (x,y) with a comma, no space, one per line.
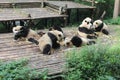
(21,32)
(100,26)
(56,27)
(86,29)
(49,41)
(77,41)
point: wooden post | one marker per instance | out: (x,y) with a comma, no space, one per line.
(52,21)
(93,2)
(45,22)
(68,18)
(65,21)
(116,8)
(77,15)
(14,24)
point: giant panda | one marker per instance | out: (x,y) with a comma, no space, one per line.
(86,29)
(77,41)
(21,32)
(100,26)
(49,41)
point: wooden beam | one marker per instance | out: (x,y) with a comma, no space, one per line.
(77,16)
(116,8)
(68,18)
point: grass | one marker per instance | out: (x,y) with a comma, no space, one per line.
(18,70)
(115,21)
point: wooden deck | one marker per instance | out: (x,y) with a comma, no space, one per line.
(19,1)
(7,14)
(70,4)
(11,50)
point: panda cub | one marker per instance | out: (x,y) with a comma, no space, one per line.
(100,26)
(49,41)
(77,41)
(86,29)
(21,32)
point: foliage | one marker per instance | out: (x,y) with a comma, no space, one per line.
(94,63)
(104,5)
(17,70)
(115,21)
(101,5)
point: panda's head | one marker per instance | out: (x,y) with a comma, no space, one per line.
(58,34)
(67,42)
(97,23)
(87,22)
(20,31)
(16,29)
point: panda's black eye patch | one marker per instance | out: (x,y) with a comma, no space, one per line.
(68,43)
(59,35)
(96,23)
(15,29)
(85,21)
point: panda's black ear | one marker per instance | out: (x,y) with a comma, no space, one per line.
(51,28)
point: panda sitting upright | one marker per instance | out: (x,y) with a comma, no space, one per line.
(21,32)
(49,41)
(100,26)
(86,29)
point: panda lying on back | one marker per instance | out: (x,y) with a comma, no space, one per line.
(86,29)
(77,41)
(49,41)
(21,32)
(100,26)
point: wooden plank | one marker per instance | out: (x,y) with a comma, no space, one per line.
(19,1)
(116,8)
(7,14)
(70,4)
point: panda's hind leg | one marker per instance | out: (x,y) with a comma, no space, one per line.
(91,42)
(47,49)
(91,37)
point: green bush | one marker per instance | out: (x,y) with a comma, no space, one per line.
(17,70)
(104,5)
(96,62)
(101,5)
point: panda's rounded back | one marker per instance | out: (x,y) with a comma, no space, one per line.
(43,41)
(33,34)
